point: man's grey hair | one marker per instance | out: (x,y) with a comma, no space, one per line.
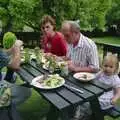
(74,25)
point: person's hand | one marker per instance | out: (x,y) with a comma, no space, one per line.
(16,47)
(113,100)
(47,54)
(18,43)
(71,66)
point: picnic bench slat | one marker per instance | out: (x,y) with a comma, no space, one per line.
(92,88)
(112,113)
(69,96)
(86,95)
(54,99)
(32,70)
(38,67)
(25,76)
(101,85)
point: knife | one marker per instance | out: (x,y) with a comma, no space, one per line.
(73,88)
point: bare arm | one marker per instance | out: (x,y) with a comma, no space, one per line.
(85,69)
(74,68)
(15,53)
(15,60)
(116,96)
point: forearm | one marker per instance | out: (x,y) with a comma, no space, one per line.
(85,69)
(15,60)
(65,58)
(116,96)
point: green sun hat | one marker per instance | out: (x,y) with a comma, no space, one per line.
(9,39)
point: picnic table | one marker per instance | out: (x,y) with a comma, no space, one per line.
(64,99)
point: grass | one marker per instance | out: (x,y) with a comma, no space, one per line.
(34,108)
(108,40)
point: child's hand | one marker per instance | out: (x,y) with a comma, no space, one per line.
(116,96)
(113,101)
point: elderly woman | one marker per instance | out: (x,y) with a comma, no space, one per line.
(52,41)
(13,63)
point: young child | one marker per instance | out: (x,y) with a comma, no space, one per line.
(108,75)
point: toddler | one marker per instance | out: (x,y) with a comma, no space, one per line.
(109,76)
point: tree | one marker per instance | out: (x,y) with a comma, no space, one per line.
(17,13)
(113,16)
(91,13)
(59,9)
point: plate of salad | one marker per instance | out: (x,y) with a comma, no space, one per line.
(49,82)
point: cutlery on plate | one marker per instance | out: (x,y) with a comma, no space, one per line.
(45,76)
(73,88)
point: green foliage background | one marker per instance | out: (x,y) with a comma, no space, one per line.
(93,14)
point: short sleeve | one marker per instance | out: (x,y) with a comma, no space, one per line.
(98,75)
(4,59)
(93,60)
(116,81)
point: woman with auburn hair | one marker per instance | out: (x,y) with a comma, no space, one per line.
(52,40)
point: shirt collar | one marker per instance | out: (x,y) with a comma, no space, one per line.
(80,43)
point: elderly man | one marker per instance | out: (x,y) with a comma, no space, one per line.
(82,51)
(83,56)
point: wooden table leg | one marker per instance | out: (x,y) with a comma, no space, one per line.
(65,114)
(55,114)
(95,106)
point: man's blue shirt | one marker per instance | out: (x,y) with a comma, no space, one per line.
(4,60)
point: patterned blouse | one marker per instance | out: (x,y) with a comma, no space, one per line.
(114,82)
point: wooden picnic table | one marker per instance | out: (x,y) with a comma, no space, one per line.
(64,99)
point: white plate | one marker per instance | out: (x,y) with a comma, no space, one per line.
(36,82)
(84,76)
(45,67)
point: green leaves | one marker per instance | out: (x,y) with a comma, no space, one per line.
(9,39)
(91,13)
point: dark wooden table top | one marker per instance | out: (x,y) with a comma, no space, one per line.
(63,97)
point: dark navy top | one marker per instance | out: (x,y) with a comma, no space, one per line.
(4,60)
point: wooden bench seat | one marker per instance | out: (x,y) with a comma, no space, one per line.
(113,112)
(9,113)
